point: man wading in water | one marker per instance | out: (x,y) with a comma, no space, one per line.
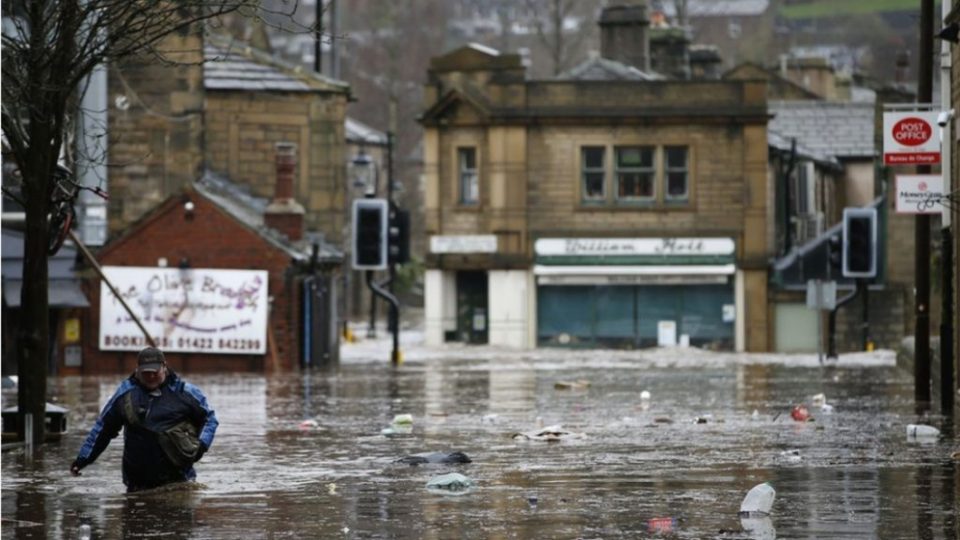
(168,426)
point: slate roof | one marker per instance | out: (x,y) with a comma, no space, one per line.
(248,209)
(784,144)
(360,133)
(235,66)
(835,129)
(604,69)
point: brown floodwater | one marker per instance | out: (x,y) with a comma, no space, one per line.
(677,467)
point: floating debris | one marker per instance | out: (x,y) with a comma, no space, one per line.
(445,458)
(578,384)
(553,433)
(450,482)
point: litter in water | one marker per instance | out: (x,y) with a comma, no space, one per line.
(450,482)
(800,413)
(552,433)
(921,431)
(578,384)
(759,500)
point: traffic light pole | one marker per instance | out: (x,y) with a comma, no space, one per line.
(394,308)
(392,266)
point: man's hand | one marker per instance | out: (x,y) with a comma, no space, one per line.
(75,468)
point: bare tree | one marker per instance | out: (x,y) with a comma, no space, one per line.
(49,47)
(550,18)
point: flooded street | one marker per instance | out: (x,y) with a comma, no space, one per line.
(677,465)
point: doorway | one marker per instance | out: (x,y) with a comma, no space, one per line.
(472,310)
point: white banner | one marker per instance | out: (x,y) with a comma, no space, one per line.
(480,243)
(919,194)
(197,310)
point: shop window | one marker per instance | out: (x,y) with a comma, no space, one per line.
(469,181)
(645,175)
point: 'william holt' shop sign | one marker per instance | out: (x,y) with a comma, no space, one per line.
(197,310)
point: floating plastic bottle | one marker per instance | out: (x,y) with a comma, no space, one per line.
(759,500)
(922,431)
(84,532)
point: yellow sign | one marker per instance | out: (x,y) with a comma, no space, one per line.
(71,330)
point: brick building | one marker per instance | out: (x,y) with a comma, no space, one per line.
(222,280)
(605,207)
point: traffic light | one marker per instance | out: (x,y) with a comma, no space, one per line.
(399,234)
(859,242)
(835,254)
(369,234)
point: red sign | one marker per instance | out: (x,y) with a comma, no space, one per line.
(912,131)
(910,138)
(922,158)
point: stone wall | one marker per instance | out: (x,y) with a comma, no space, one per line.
(155,122)
(242,128)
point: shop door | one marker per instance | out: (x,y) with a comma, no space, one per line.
(472,311)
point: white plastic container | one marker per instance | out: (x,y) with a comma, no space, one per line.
(759,500)
(921,431)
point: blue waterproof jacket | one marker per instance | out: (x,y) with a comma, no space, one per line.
(145,465)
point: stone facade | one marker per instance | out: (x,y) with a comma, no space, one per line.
(528,137)
(155,125)
(242,128)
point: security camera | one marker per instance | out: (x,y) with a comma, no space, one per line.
(944,117)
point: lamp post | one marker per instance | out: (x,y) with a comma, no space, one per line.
(366,176)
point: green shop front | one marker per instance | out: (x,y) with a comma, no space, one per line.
(636,292)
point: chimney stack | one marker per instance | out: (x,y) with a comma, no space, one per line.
(624,34)
(284,214)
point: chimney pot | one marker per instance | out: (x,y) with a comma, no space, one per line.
(284,213)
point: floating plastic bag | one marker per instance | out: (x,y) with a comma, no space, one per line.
(552,433)
(450,482)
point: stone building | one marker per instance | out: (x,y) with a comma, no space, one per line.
(222,109)
(608,206)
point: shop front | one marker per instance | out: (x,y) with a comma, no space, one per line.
(636,292)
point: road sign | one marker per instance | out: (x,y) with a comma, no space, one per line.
(821,294)
(911,138)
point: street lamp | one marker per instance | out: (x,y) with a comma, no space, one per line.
(365,173)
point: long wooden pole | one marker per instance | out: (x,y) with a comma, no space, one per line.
(96,266)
